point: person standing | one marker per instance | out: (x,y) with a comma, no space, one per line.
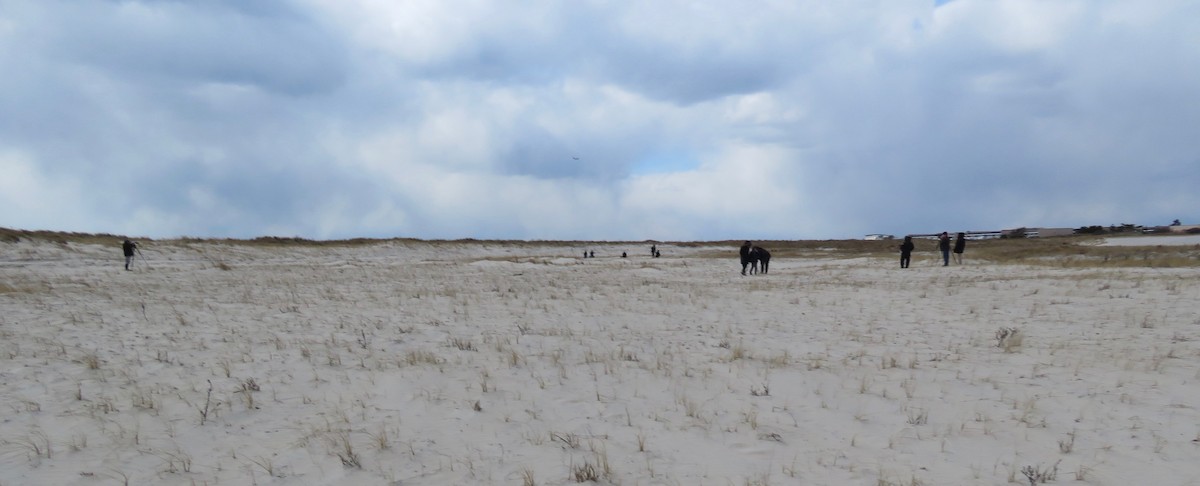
(906,249)
(944,245)
(128,247)
(960,244)
(653,250)
(744,253)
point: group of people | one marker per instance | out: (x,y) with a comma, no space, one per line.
(960,245)
(753,257)
(750,255)
(654,252)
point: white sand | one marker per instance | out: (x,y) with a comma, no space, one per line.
(415,363)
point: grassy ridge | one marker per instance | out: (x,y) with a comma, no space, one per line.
(1081,251)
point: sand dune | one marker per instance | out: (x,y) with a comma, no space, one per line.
(489,363)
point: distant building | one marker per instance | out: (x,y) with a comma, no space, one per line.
(970,235)
(1185,228)
(982,235)
(1038,232)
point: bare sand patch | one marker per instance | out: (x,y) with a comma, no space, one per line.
(486,363)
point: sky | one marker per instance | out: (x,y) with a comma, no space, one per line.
(596,120)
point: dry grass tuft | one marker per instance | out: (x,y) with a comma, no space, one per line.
(1080,252)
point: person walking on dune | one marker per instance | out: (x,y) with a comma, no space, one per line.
(128,247)
(960,244)
(906,249)
(944,245)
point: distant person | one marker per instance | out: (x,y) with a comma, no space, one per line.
(744,252)
(653,250)
(129,248)
(906,249)
(623,255)
(944,245)
(960,244)
(591,254)
(585,254)
(657,253)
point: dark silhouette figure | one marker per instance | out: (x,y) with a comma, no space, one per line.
(759,258)
(944,245)
(623,255)
(653,251)
(592,254)
(128,247)
(744,253)
(657,253)
(906,249)
(752,256)
(960,244)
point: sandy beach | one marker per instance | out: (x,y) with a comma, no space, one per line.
(408,362)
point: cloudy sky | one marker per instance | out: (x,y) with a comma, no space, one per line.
(604,120)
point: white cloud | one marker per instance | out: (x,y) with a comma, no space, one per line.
(323,118)
(1014,25)
(33,200)
(751,187)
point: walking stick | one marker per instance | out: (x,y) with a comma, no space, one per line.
(141,257)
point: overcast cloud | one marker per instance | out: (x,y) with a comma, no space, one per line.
(670,120)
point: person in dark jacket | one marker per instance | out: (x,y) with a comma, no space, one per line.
(760,258)
(744,252)
(128,247)
(906,249)
(960,244)
(944,245)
